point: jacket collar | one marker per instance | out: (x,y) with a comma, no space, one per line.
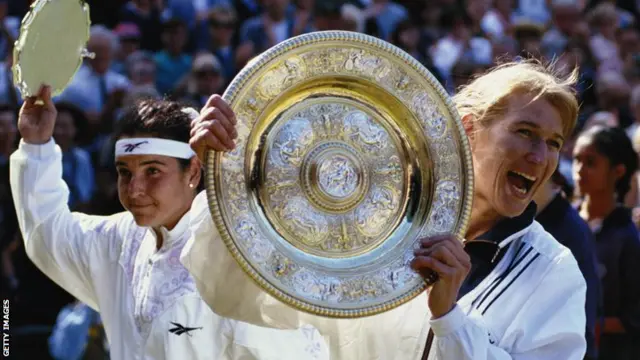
(171,237)
(489,245)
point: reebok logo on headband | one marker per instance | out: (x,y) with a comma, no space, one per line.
(130,147)
(153,146)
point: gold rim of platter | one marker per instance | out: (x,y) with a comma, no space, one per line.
(49,50)
(338,125)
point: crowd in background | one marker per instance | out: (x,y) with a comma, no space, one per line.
(189,49)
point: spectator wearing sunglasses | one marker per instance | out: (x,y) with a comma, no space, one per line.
(222,23)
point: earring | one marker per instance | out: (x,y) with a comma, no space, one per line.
(191,186)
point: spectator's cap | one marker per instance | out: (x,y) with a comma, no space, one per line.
(127,31)
(222,14)
(206,62)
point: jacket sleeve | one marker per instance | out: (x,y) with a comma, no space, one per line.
(228,291)
(550,324)
(63,245)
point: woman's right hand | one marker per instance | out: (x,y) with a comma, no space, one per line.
(37,120)
(214,129)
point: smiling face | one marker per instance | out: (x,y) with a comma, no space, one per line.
(156,189)
(515,154)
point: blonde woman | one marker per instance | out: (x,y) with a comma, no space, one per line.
(515,294)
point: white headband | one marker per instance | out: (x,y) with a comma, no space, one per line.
(153,146)
(157,146)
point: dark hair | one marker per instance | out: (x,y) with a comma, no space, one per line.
(173,24)
(560,180)
(615,145)
(156,118)
(79,118)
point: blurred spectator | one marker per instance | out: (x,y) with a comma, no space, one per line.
(303,16)
(431,29)
(141,69)
(613,92)
(351,18)
(603,21)
(172,63)
(497,21)
(9,27)
(78,334)
(96,88)
(129,41)
(604,163)
(204,80)
(528,38)
(459,43)
(222,24)
(9,93)
(77,170)
(407,37)
(387,15)
(262,32)
(8,219)
(147,15)
(566,14)
(337,15)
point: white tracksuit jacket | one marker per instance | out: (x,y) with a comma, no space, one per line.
(148,301)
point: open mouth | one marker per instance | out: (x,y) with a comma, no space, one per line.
(522,183)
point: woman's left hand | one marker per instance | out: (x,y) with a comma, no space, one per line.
(446,256)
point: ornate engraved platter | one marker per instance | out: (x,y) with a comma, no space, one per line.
(51,45)
(348,152)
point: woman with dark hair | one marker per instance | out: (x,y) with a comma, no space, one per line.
(604,162)
(126,266)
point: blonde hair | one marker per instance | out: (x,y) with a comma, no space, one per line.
(487,97)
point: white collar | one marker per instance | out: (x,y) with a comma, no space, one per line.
(170,237)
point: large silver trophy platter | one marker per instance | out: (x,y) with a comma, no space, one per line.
(348,152)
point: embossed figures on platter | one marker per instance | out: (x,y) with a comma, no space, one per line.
(346,154)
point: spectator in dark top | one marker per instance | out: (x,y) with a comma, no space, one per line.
(172,63)
(262,32)
(562,221)
(147,14)
(604,162)
(406,36)
(222,25)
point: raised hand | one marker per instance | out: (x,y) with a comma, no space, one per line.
(445,256)
(214,129)
(37,118)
